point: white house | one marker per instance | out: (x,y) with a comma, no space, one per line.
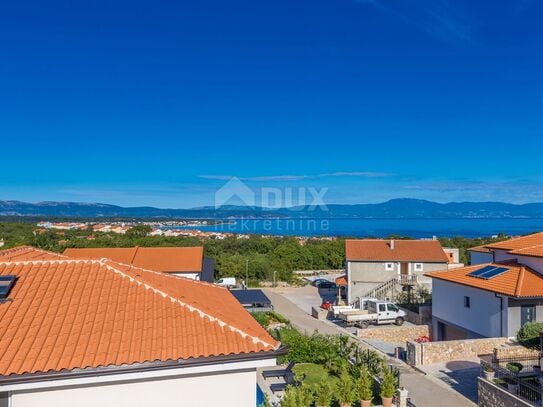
(491,299)
(83,332)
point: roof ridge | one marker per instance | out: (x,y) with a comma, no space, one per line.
(520,280)
(202,314)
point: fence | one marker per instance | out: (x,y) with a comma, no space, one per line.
(524,384)
(528,359)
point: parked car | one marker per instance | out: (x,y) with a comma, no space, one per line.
(327,284)
(377,312)
(227,282)
(319,281)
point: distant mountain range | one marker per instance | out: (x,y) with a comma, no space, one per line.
(393,209)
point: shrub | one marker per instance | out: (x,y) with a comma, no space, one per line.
(365,385)
(528,335)
(388,384)
(345,392)
(324,394)
(514,367)
(297,397)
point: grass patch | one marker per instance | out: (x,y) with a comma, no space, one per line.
(312,374)
(267,318)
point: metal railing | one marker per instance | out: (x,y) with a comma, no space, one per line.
(524,384)
(407,279)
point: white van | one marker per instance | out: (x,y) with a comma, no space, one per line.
(227,282)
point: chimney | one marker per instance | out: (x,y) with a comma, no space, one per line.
(391,244)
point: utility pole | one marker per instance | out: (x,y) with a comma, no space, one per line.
(246,273)
(275,271)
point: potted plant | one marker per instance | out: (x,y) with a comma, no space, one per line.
(345,392)
(388,387)
(365,388)
(488,373)
(324,393)
(512,384)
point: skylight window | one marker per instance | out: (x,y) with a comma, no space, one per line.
(6,282)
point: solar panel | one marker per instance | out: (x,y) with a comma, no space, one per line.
(6,282)
(250,297)
(488,272)
(480,271)
(493,273)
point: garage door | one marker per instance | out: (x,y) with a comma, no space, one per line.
(450,333)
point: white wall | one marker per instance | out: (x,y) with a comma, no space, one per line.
(483,316)
(225,390)
(193,276)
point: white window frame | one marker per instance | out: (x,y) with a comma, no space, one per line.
(389,266)
(418,266)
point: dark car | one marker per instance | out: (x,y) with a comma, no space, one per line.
(327,285)
(318,281)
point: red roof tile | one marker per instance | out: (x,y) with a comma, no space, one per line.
(519,281)
(167,259)
(28,253)
(404,250)
(71,314)
(535,251)
(519,242)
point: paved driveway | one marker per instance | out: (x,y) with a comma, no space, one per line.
(424,390)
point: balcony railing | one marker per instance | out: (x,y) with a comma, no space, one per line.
(407,279)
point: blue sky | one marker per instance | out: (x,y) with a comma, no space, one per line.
(158,103)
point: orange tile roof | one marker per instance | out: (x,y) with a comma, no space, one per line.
(519,281)
(404,250)
(166,259)
(519,242)
(28,253)
(341,280)
(481,249)
(75,314)
(535,251)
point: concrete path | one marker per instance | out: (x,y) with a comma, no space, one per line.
(424,390)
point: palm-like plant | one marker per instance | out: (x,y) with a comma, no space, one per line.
(365,385)
(297,397)
(346,392)
(324,394)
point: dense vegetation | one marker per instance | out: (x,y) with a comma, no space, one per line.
(261,256)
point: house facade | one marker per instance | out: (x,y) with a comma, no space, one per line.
(188,262)
(91,332)
(491,299)
(372,262)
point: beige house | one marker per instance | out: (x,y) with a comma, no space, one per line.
(376,267)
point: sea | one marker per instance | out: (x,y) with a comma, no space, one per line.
(415,228)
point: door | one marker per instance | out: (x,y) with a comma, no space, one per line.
(404,269)
(383,314)
(527,314)
(450,333)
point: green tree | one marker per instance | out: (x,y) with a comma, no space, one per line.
(346,391)
(324,394)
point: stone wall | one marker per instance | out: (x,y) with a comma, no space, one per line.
(513,350)
(492,395)
(394,334)
(445,351)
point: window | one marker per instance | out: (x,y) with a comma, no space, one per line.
(467,302)
(392,307)
(382,307)
(389,266)
(419,267)
(527,314)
